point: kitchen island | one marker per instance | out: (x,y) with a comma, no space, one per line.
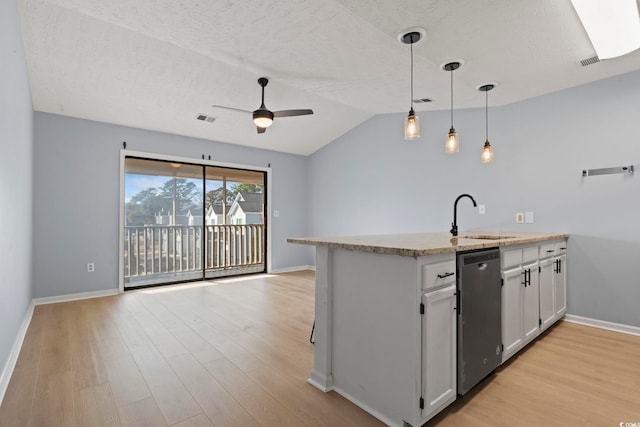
(385,314)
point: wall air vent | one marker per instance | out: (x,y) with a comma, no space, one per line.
(421,100)
(206,118)
(590,61)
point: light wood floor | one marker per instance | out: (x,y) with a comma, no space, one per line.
(236,353)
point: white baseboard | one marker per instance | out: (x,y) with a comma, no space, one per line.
(75,297)
(292,269)
(367,408)
(610,326)
(319,386)
(15,352)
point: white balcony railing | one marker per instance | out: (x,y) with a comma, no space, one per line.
(152,253)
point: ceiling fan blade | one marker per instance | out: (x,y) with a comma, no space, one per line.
(232,109)
(291,113)
(261,130)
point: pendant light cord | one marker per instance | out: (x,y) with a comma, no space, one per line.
(486,113)
(411,47)
(451,98)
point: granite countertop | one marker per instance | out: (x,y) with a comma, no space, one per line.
(423,244)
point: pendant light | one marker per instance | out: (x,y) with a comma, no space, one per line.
(412,122)
(452,142)
(487,151)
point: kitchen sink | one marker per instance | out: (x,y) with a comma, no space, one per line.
(486,237)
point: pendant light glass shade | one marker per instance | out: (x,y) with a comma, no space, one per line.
(412,122)
(412,126)
(487,151)
(452,141)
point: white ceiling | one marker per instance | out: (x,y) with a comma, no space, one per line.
(157,64)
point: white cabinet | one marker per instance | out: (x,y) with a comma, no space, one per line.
(547,293)
(553,292)
(560,286)
(530,307)
(511,312)
(520,312)
(520,299)
(438,350)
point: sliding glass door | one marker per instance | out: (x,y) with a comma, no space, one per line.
(188,222)
(235,221)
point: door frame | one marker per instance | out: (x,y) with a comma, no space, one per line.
(124,153)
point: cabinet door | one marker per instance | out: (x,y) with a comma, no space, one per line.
(438,350)
(547,310)
(530,304)
(560,286)
(511,311)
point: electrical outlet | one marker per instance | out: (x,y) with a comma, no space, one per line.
(91,267)
(482,209)
(519,218)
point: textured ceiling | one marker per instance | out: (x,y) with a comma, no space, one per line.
(157,64)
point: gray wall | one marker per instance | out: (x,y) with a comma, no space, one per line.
(16,185)
(372,181)
(76,198)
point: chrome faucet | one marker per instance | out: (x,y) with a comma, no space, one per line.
(454,224)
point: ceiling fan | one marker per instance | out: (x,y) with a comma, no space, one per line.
(262,117)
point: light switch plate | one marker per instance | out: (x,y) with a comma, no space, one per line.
(528,218)
(482,209)
(276,213)
(519,218)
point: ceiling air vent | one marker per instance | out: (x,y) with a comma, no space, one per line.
(590,61)
(206,118)
(421,100)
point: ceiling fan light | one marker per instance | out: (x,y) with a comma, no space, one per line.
(452,142)
(262,118)
(412,126)
(262,122)
(487,153)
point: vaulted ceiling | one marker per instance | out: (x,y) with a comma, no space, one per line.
(158,64)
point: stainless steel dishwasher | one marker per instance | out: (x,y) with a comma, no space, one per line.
(479,316)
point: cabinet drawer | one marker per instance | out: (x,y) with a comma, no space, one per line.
(511,258)
(530,254)
(561,248)
(547,250)
(438,274)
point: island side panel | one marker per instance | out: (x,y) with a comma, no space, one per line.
(321,376)
(374,316)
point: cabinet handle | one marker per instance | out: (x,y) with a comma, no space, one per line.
(527,277)
(564,249)
(550,251)
(442,276)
